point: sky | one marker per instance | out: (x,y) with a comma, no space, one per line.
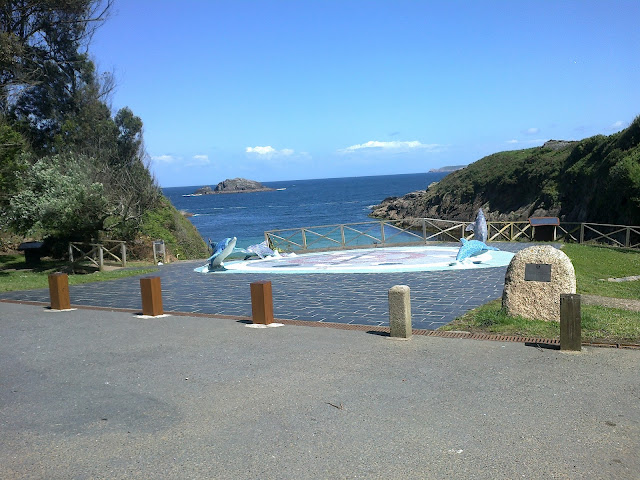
(281,90)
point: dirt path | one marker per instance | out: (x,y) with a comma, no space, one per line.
(623,303)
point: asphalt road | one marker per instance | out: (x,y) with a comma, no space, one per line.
(95,394)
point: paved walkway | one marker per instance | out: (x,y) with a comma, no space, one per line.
(436,297)
(105,395)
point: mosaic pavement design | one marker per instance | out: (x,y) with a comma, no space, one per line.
(370,260)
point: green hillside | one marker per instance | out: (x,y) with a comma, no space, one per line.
(596,180)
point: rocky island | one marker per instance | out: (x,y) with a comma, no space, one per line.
(234,185)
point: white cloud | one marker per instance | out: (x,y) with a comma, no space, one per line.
(531,131)
(198,160)
(512,141)
(261,150)
(269,151)
(164,159)
(393,145)
(617,125)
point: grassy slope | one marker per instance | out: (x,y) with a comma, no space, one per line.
(180,236)
(594,180)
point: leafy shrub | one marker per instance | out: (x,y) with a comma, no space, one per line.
(58,199)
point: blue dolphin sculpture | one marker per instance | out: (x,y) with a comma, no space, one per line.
(479,227)
(472,248)
(221,250)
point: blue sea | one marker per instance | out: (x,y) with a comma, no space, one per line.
(294,204)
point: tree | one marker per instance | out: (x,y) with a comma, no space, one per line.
(42,63)
(129,136)
(52,98)
(12,163)
(35,33)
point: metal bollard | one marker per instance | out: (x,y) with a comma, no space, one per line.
(400,311)
(570,322)
(151,292)
(262,302)
(59,291)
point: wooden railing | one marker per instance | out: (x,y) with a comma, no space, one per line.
(415,231)
(95,253)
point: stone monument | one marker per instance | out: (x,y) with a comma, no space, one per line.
(534,281)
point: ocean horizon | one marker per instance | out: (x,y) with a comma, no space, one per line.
(293,204)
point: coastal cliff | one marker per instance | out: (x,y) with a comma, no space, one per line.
(593,180)
(234,185)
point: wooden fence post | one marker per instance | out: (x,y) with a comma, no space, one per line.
(627,240)
(100,258)
(59,291)
(123,250)
(151,292)
(570,322)
(262,302)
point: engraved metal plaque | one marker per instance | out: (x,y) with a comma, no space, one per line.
(537,272)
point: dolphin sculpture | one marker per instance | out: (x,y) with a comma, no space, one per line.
(472,248)
(221,250)
(479,227)
(261,250)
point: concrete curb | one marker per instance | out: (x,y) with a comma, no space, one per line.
(529,341)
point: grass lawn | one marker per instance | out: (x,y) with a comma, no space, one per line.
(595,264)
(598,323)
(16,275)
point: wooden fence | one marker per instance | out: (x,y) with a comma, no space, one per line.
(416,231)
(95,253)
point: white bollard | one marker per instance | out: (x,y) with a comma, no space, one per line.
(400,311)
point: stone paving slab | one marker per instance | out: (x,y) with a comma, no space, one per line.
(436,297)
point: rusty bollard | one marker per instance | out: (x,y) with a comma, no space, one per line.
(151,292)
(59,291)
(262,302)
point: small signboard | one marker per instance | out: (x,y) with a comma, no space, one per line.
(539,221)
(537,272)
(159,250)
